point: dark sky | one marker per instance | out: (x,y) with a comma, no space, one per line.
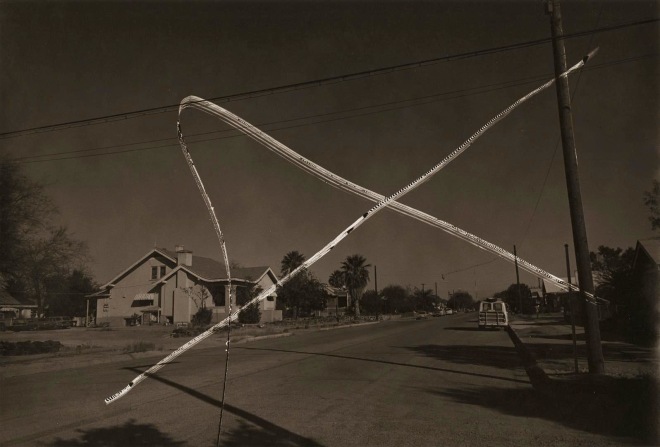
(70,61)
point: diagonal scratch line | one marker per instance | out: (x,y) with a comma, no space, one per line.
(334,180)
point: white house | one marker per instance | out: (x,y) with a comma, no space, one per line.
(171,286)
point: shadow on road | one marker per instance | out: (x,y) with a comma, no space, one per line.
(497,356)
(128,434)
(611,351)
(463,328)
(253,430)
(385,362)
(618,408)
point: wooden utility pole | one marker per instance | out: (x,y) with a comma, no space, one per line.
(520,303)
(375,279)
(572,306)
(581,246)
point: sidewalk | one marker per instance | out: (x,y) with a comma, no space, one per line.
(101,347)
(549,340)
(623,402)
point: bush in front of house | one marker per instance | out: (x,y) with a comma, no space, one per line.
(140,346)
(29,347)
(250,315)
(202,317)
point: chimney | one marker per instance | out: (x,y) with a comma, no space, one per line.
(183,256)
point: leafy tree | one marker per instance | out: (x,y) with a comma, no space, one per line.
(356,277)
(612,268)
(336,279)
(199,295)
(460,300)
(252,313)
(202,317)
(396,300)
(425,300)
(372,304)
(516,294)
(34,251)
(24,210)
(291,261)
(651,202)
(66,295)
(512,299)
(303,293)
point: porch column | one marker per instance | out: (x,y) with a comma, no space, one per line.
(233,299)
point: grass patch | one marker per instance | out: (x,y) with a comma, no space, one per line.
(29,347)
(140,346)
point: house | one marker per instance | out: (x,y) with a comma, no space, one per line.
(337,302)
(11,308)
(554,297)
(557,298)
(643,304)
(170,286)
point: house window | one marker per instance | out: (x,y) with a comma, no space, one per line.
(218,294)
(162,271)
(154,272)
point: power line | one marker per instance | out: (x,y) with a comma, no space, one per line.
(318,82)
(389,106)
(547,173)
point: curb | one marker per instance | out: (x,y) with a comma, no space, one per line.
(51,364)
(262,337)
(347,325)
(537,376)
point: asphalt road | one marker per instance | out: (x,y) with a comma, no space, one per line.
(398,383)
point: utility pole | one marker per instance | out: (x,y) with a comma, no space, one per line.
(520,304)
(570,303)
(422,288)
(376,279)
(581,246)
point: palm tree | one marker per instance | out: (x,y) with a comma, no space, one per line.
(356,277)
(336,279)
(290,261)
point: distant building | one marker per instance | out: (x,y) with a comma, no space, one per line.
(170,286)
(643,306)
(11,308)
(554,297)
(338,302)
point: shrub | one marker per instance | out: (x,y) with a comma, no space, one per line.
(140,346)
(250,315)
(29,347)
(202,317)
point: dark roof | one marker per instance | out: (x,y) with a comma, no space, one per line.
(651,247)
(7,300)
(211,269)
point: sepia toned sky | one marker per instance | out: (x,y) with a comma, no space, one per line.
(123,186)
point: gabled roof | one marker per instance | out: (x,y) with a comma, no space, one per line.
(202,267)
(7,300)
(149,254)
(335,291)
(212,270)
(649,248)
(551,287)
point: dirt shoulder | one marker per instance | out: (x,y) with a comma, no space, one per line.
(92,346)
(549,339)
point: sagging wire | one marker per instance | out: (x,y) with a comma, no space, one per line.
(344,184)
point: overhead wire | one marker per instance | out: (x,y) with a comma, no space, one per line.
(318,82)
(557,144)
(422,100)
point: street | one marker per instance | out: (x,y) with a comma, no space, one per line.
(438,381)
